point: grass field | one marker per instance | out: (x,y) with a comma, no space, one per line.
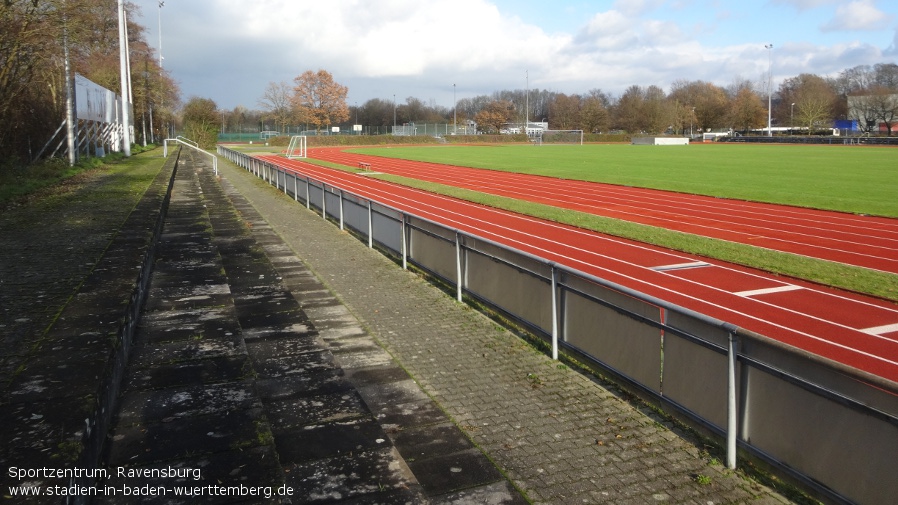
(862,180)
(851,179)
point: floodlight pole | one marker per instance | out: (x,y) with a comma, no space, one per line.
(792,118)
(527,103)
(769,86)
(454,112)
(160,34)
(125,73)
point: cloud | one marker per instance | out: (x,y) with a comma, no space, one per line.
(892,51)
(802,5)
(420,49)
(636,7)
(858,15)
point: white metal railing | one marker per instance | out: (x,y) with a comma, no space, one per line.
(193,145)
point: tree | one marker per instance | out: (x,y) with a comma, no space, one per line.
(565,112)
(658,116)
(884,106)
(200,116)
(376,112)
(747,112)
(594,117)
(319,100)
(813,97)
(276,101)
(32,75)
(494,116)
(628,112)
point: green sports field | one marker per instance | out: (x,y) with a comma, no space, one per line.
(855,179)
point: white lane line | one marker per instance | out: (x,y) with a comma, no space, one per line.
(681,266)
(767,291)
(879,330)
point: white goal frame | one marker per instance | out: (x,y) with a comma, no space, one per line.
(576,134)
(297,147)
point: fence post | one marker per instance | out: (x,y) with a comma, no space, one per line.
(458,265)
(323,201)
(370,227)
(341,209)
(295,187)
(404,244)
(308,193)
(554,285)
(732,414)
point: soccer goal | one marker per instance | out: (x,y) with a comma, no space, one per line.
(297,147)
(561,137)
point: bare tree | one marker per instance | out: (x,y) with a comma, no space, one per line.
(276,102)
(884,106)
(813,97)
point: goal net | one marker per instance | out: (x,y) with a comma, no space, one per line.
(297,147)
(561,137)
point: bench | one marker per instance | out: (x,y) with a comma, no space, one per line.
(364,165)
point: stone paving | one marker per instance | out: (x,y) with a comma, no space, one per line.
(276,351)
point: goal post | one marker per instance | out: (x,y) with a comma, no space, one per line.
(561,137)
(297,147)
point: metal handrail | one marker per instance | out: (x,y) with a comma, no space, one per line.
(186,142)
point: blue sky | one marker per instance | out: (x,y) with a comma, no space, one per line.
(229,50)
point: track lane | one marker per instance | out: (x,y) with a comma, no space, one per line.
(864,241)
(741,296)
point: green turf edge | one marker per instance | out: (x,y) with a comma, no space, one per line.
(857,279)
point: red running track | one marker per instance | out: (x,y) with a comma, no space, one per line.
(858,331)
(864,241)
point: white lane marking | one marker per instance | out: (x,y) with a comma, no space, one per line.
(681,266)
(879,330)
(767,291)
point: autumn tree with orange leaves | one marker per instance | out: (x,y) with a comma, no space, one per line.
(318,100)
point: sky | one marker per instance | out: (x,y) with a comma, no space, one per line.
(440,51)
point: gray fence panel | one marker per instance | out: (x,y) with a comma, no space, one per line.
(694,374)
(280,179)
(695,378)
(627,345)
(513,283)
(355,214)
(829,376)
(332,203)
(315,189)
(387,228)
(432,248)
(844,448)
